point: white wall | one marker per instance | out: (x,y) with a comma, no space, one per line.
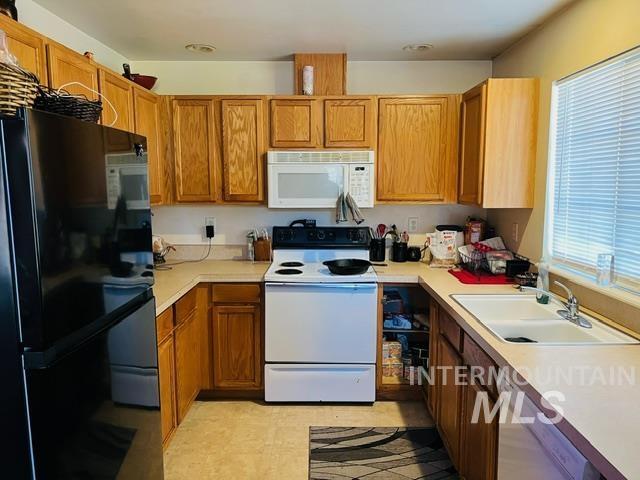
(45,22)
(183,225)
(184,78)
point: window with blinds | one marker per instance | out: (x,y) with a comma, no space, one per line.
(594,191)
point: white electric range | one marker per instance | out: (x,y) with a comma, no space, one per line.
(320,328)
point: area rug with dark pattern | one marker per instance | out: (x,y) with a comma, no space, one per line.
(371,453)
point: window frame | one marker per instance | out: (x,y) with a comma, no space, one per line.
(580,271)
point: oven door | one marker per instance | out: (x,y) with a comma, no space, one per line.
(325,323)
(306,186)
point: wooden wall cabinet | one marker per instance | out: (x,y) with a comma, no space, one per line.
(295,123)
(193,141)
(329,72)
(28,46)
(147,123)
(498,140)
(417,149)
(119,92)
(68,69)
(349,123)
(243,151)
(237,336)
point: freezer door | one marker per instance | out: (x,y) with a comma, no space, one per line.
(321,323)
(91,416)
(82,243)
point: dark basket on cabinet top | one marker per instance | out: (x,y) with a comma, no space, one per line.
(18,88)
(64,103)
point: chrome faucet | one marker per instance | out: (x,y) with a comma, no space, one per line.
(571,309)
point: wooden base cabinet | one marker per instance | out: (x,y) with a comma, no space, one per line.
(478,437)
(237,337)
(449,398)
(183,356)
(432,386)
(188,378)
(472,443)
(167,377)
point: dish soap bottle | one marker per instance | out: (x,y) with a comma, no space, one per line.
(543,282)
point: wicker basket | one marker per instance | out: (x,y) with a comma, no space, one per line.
(18,88)
(64,103)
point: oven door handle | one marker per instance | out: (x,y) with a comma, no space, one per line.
(346,286)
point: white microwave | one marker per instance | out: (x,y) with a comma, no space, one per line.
(315,179)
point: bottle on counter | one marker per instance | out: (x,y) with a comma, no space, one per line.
(251,238)
(543,282)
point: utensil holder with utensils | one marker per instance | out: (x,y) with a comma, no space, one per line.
(262,250)
(377,250)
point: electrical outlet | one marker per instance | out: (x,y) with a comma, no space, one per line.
(515,232)
(412,224)
(209,222)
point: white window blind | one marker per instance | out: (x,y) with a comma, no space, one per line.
(595,171)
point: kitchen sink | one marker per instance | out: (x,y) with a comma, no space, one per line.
(519,318)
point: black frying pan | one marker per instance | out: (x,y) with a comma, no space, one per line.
(348,266)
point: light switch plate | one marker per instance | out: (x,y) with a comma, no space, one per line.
(412,224)
(515,232)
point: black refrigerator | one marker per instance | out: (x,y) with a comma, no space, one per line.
(78,362)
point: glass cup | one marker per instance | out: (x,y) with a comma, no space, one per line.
(604,269)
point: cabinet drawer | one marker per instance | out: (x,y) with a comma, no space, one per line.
(450,329)
(186,306)
(164,324)
(236,293)
(474,356)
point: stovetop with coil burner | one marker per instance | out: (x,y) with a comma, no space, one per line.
(298,253)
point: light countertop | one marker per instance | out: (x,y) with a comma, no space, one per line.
(172,284)
(600,418)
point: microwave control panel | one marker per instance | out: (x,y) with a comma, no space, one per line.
(361,184)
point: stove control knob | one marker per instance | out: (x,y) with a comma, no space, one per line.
(321,235)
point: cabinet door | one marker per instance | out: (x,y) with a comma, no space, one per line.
(450,398)
(478,439)
(416,149)
(295,123)
(188,375)
(243,150)
(472,131)
(27,46)
(237,347)
(193,122)
(432,386)
(167,376)
(349,123)
(70,70)
(119,92)
(147,123)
